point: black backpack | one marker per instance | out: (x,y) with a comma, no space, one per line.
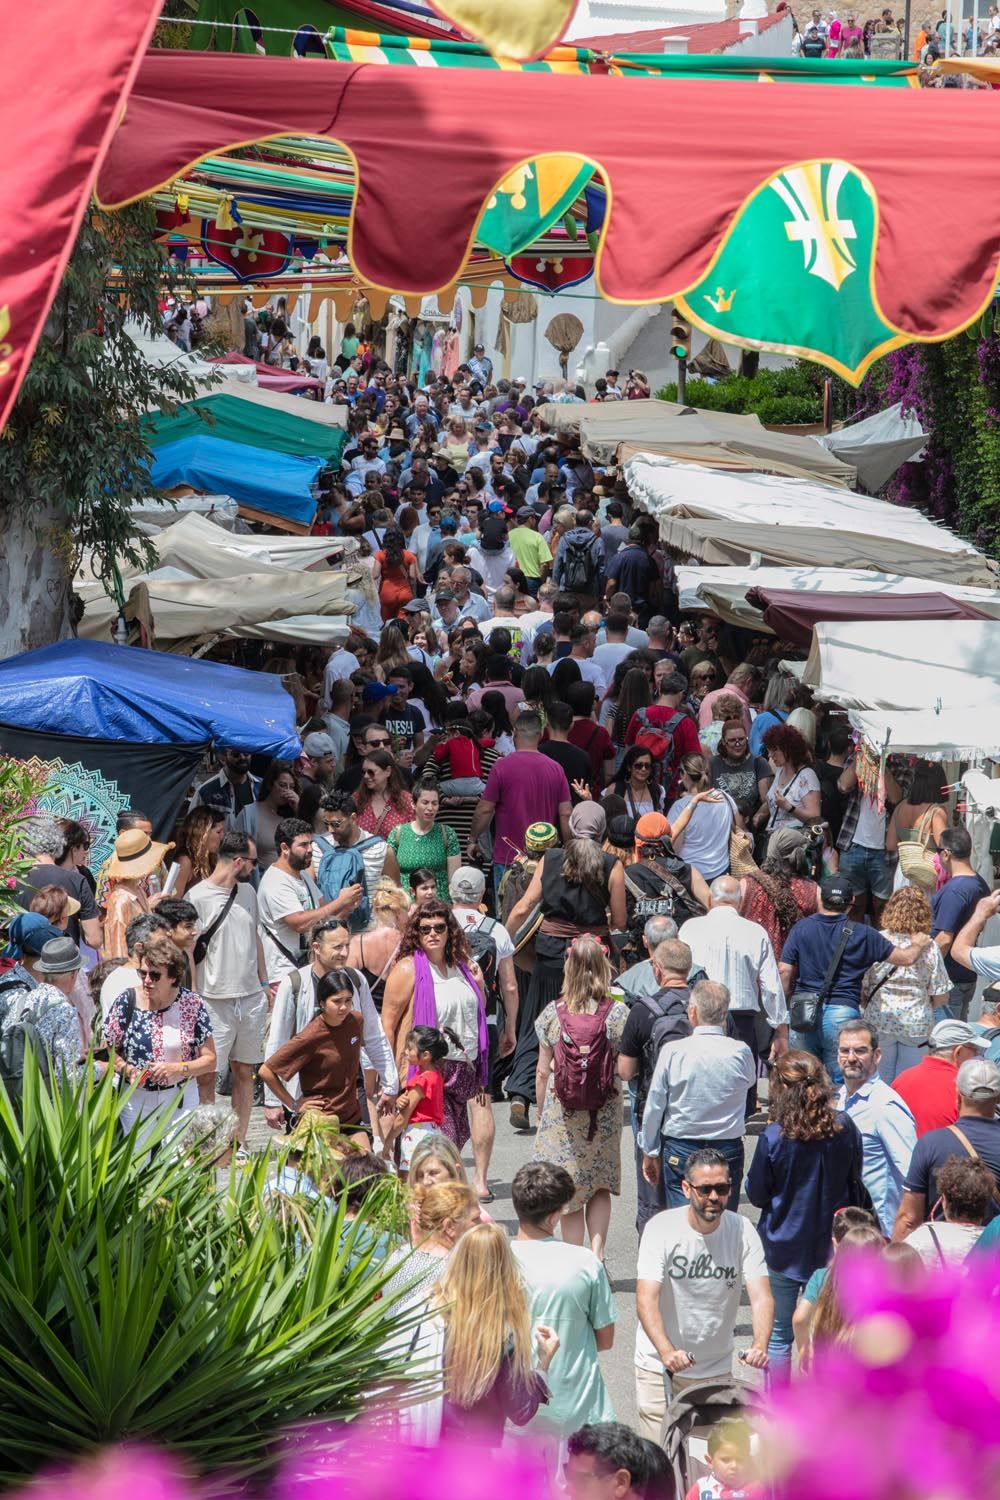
(670,1010)
(484,951)
(579,571)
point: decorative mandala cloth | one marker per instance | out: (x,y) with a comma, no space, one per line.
(71,791)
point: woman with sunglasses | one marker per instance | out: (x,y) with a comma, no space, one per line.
(382,800)
(703,679)
(435,982)
(161,1034)
(638,784)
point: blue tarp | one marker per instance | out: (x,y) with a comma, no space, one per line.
(273,482)
(92,690)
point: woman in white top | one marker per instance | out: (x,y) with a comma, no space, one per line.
(714,815)
(793,796)
(435,982)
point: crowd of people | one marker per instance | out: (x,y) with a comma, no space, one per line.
(552,846)
(835,34)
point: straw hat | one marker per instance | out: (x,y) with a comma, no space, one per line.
(136,855)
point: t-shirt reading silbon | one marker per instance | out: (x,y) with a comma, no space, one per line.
(701,1278)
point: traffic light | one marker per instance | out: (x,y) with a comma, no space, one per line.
(680,336)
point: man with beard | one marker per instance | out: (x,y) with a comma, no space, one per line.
(230,971)
(289,901)
(232,789)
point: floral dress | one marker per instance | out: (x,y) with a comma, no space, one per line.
(901,1007)
(56,1022)
(562,1134)
(176,1034)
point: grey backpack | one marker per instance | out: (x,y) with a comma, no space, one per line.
(19,1030)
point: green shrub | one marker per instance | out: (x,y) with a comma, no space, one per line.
(790,395)
(137,1300)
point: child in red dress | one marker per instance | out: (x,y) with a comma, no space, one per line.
(420,1109)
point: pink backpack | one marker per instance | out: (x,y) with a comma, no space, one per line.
(584,1074)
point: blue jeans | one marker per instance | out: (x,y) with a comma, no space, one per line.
(822,1043)
(897,1055)
(674,1152)
(867,870)
(959,1000)
(785,1291)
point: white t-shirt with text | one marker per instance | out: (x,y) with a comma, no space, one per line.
(701,1278)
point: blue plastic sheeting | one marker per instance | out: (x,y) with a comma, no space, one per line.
(267,481)
(92,690)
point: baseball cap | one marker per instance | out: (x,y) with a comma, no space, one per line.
(373,692)
(519,380)
(445,596)
(621,831)
(955,1033)
(467,884)
(978,1078)
(318,744)
(495,507)
(526,513)
(478,347)
(836,893)
(652,828)
(447,523)
(415,607)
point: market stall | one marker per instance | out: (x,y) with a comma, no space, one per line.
(132,724)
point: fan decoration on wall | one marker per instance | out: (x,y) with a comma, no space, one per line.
(564,333)
(87,797)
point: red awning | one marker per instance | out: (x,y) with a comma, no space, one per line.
(675,183)
(792,614)
(271,377)
(75,63)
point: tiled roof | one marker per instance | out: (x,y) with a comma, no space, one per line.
(703,37)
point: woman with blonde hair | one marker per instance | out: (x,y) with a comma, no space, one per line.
(373,951)
(443,1213)
(829,1325)
(393,648)
(901,1003)
(586,1142)
(488,1343)
(704,835)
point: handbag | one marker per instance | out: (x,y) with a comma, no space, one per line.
(805,1008)
(915,859)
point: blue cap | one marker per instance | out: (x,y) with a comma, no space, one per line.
(373,692)
(496,507)
(28,933)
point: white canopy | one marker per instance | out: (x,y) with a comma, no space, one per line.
(155,515)
(157,349)
(723,590)
(206,551)
(878,445)
(906,664)
(727,518)
(722,439)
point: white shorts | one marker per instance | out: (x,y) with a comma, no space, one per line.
(411,1138)
(239,1028)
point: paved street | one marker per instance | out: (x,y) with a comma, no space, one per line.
(512,1149)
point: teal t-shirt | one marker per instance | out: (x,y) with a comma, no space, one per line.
(814,1285)
(568,1289)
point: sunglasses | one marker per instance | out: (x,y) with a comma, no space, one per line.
(379,744)
(712,1190)
(153,976)
(428,929)
(642,765)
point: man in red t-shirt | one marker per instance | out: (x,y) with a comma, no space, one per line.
(930,1088)
(593,739)
(666,713)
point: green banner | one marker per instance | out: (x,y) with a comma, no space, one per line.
(245,422)
(795,272)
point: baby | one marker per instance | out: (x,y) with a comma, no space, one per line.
(729,1456)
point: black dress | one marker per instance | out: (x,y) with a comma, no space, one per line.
(566,903)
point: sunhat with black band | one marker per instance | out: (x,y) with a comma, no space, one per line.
(136,855)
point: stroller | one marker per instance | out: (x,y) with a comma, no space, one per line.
(691,1415)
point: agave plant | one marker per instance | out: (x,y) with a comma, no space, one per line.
(140,1301)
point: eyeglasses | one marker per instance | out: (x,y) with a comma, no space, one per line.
(150,976)
(703,677)
(853,1051)
(429,929)
(712,1189)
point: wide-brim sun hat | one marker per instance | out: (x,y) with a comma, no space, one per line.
(136,855)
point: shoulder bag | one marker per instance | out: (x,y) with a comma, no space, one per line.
(805,1008)
(202,942)
(915,858)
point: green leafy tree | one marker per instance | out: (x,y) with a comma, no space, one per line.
(73,457)
(139,1301)
(19,785)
